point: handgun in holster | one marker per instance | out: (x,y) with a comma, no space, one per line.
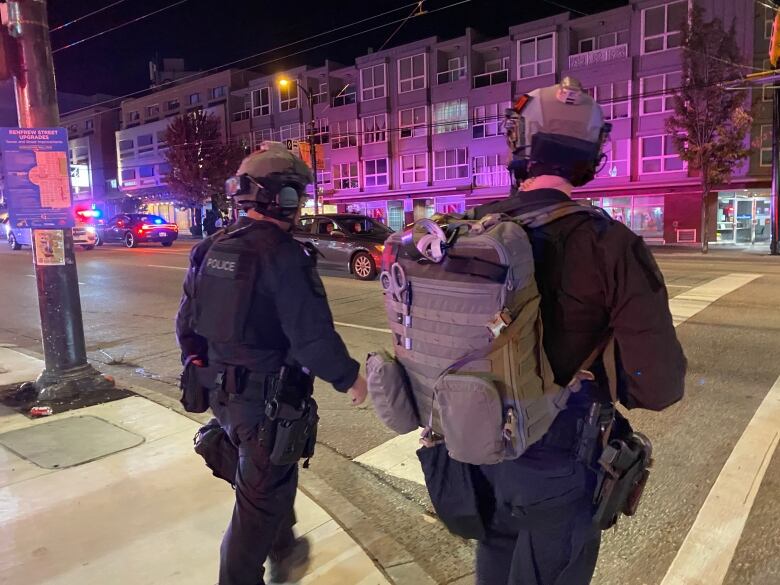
(625,467)
(294,412)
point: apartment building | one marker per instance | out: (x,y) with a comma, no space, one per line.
(140,146)
(92,156)
(416,129)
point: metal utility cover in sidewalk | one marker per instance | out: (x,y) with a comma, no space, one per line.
(69,441)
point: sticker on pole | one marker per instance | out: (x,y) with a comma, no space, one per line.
(49,246)
(37,177)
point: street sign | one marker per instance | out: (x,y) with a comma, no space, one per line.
(291,145)
(37,177)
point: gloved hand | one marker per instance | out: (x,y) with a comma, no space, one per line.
(359,391)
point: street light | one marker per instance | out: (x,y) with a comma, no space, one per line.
(284,83)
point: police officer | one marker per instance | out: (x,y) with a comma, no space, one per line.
(594,275)
(253,303)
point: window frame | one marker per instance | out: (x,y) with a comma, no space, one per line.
(374,136)
(196,101)
(763,149)
(610,161)
(664,35)
(663,157)
(664,97)
(374,88)
(413,127)
(263,109)
(457,165)
(498,175)
(338,179)
(609,105)
(340,139)
(415,169)
(487,120)
(413,78)
(449,125)
(376,175)
(552,60)
(289,103)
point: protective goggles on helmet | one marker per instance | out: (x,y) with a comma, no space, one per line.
(241,185)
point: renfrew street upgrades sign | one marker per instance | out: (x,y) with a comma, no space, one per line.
(37,177)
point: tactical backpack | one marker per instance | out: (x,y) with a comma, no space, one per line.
(469,364)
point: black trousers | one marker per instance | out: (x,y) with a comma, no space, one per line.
(263,517)
(540,515)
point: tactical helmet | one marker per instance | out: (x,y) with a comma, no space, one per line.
(557,130)
(271,180)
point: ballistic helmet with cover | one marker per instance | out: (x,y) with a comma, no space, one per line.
(557,130)
(271,180)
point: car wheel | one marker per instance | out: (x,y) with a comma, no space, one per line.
(12,243)
(167,244)
(87,247)
(98,241)
(130,240)
(363,266)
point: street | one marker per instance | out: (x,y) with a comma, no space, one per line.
(728,322)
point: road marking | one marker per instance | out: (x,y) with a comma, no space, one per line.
(365,327)
(171,267)
(397,456)
(33,276)
(708,549)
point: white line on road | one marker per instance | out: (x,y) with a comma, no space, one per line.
(163,266)
(706,553)
(397,456)
(33,276)
(365,327)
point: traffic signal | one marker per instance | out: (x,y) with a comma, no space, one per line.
(774,42)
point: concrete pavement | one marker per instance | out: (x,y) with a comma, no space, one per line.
(116,490)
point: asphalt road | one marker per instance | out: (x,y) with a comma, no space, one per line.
(129,298)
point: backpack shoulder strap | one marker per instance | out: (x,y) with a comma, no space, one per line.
(546,215)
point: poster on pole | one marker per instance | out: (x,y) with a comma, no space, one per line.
(37,177)
(305,153)
(49,247)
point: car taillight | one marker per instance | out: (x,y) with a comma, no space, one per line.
(146,227)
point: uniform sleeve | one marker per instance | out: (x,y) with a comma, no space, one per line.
(190,342)
(652,372)
(306,319)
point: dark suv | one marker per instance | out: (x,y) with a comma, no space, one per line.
(132,228)
(346,241)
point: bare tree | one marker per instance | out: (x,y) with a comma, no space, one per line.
(710,123)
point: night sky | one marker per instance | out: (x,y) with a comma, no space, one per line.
(208,33)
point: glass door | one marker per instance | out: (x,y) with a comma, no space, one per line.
(743,232)
(761,219)
(726,223)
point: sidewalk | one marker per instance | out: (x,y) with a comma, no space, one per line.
(115,492)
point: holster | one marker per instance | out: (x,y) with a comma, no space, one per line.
(220,454)
(294,414)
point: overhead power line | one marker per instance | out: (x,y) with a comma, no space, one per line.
(80,18)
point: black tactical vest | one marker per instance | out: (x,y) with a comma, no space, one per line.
(230,304)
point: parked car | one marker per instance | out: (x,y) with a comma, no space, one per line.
(132,229)
(83,235)
(345,241)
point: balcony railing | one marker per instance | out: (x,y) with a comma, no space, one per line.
(598,56)
(493,78)
(344,99)
(319,98)
(242,115)
(451,76)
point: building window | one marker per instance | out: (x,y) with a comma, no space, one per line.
(450,116)
(614,98)
(288,97)
(261,102)
(162,144)
(414,168)
(345,176)
(128,174)
(290,131)
(487,120)
(372,83)
(89,124)
(321,131)
(126,148)
(146,171)
(489,172)
(245,111)
(163,170)
(658,92)
(661,26)
(766,145)
(172,105)
(612,39)
(450,164)
(134,116)
(217,92)
(618,156)
(536,56)
(344,134)
(413,122)
(375,172)
(375,129)
(411,73)
(659,155)
(260,136)
(153,111)
(346,96)
(586,45)
(145,143)
(456,69)
(321,96)
(194,99)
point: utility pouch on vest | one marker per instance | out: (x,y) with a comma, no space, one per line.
(295,436)
(194,394)
(390,393)
(232,380)
(625,469)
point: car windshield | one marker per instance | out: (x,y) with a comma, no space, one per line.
(151,219)
(363,225)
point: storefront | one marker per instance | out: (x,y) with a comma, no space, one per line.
(743,217)
(644,214)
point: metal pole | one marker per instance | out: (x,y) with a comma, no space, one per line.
(774,200)
(312,147)
(66,371)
